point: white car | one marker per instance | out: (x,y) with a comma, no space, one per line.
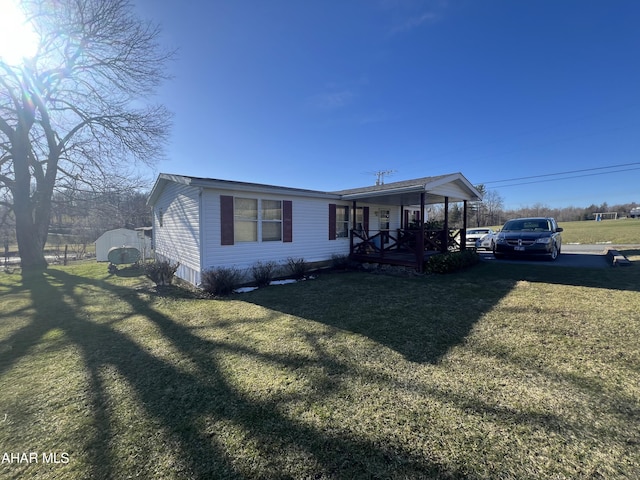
(481,238)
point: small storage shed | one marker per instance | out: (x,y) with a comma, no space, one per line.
(120,237)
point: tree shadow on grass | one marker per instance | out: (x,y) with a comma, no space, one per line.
(179,401)
(611,277)
(420,318)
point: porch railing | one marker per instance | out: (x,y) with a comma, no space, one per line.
(377,243)
(364,243)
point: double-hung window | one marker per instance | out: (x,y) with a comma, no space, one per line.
(245,219)
(255,219)
(271,220)
(342,221)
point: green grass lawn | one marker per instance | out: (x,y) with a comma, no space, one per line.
(621,232)
(500,371)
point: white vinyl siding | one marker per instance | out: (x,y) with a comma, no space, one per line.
(191,230)
(450,189)
(178,238)
(310,233)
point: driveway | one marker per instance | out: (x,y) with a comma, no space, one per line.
(581,256)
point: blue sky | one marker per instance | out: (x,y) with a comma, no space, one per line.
(322,94)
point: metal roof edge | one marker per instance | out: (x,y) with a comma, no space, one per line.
(222,184)
(406,186)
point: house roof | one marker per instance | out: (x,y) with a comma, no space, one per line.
(407,192)
(165,178)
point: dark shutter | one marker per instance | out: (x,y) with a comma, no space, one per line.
(365,219)
(332,221)
(287,221)
(226,220)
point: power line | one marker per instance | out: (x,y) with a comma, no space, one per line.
(563,178)
(565,173)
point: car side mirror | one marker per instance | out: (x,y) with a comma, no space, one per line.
(559,229)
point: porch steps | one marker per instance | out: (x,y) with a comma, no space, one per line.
(617,259)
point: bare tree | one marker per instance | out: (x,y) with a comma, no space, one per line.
(78,112)
(494,204)
(479,207)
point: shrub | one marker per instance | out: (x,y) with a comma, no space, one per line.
(263,272)
(339,262)
(450,262)
(220,281)
(297,267)
(433,225)
(161,272)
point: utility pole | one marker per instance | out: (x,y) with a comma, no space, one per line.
(380,175)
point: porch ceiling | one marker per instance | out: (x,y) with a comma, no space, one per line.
(405,198)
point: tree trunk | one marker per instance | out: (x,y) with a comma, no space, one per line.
(30,244)
(32,221)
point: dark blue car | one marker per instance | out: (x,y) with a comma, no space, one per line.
(529,237)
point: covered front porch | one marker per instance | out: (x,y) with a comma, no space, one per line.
(412,243)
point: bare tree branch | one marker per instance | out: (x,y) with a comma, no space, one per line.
(77,113)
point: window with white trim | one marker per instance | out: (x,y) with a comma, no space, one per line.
(271,220)
(245,219)
(342,221)
(359,216)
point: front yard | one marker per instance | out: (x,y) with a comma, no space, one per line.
(496,372)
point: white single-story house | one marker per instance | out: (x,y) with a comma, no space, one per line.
(121,237)
(204,223)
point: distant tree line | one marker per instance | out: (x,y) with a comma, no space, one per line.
(491,211)
(573,214)
(80,217)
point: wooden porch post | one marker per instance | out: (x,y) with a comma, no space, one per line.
(403,226)
(445,243)
(353,224)
(420,237)
(463,234)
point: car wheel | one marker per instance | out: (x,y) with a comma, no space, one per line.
(554,252)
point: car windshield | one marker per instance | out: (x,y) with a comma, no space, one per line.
(527,226)
(476,231)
